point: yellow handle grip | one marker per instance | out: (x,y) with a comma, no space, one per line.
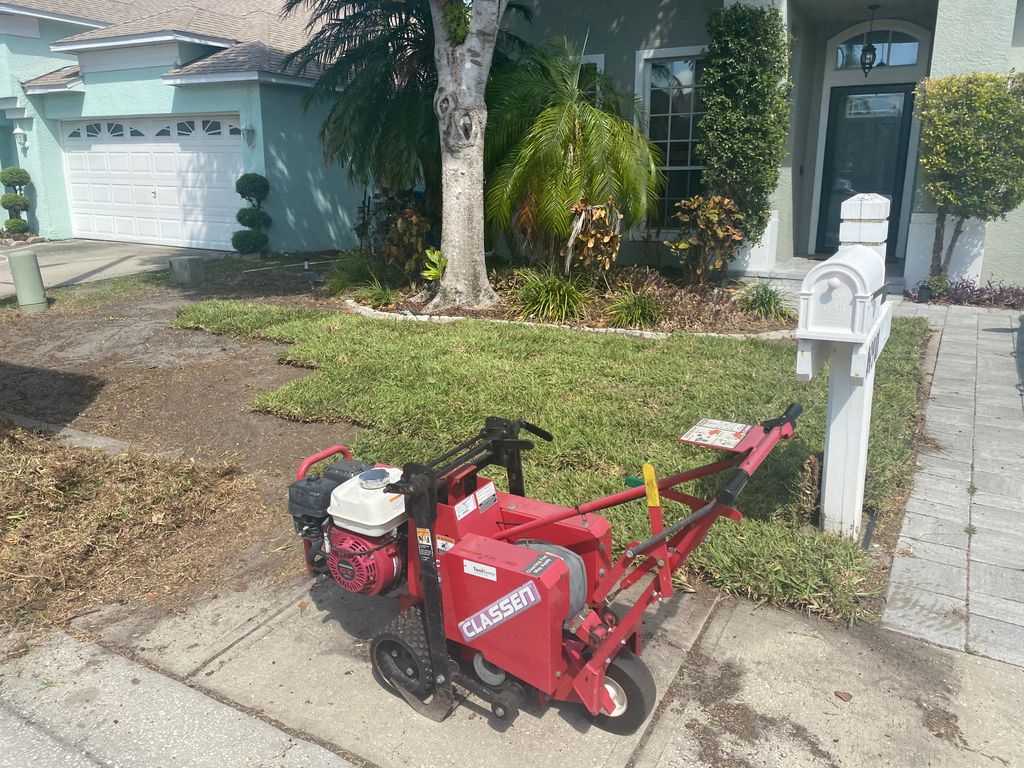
(651,484)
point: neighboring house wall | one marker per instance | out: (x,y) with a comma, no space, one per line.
(313,204)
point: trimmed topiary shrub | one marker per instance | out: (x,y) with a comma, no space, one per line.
(249,241)
(746,97)
(254,218)
(16,178)
(253,188)
(14,203)
(16,226)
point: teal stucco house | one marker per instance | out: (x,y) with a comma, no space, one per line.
(849,133)
(135,117)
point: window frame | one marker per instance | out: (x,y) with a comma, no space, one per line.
(642,87)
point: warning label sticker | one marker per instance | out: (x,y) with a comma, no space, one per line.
(423,542)
(540,564)
(444,543)
(465,506)
(398,503)
(486,497)
(716,434)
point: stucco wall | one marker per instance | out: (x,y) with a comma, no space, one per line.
(24,58)
(313,205)
(1004,241)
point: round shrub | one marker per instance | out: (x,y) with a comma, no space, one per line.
(546,295)
(14,203)
(15,177)
(16,226)
(249,241)
(635,309)
(253,187)
(254,218)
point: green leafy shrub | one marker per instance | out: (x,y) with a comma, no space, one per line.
(14,203)
(709,232)
(254,218)
(377,294)
(16,226)
(435,265)
(596,237)
(939,284)
(351,269)
(635,308)
(971,151)
(16,178)
(402,237)
(249,241)
(746,99)
(253,188)
(545,295)
(765,301)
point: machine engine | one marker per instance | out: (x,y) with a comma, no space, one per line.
(351,527)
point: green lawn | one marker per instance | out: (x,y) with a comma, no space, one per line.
(612,403)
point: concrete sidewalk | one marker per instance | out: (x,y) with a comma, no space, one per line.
(958,578)
(71,262)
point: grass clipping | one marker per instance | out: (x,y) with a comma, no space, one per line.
(80,528)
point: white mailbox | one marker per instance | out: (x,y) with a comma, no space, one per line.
(841,297)
(845,319)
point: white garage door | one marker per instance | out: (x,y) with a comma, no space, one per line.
(167,181)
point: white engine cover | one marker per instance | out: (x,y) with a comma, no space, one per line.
(369,511)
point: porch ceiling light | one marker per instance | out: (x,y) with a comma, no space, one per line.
(868,52)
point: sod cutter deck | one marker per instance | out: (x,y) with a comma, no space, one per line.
(507,595)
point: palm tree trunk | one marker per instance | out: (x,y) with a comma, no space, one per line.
(461,110)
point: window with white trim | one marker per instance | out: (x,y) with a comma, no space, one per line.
(674,107)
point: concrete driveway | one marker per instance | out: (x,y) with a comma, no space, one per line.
(69,262)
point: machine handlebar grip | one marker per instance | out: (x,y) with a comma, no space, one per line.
(543,434)
(732,488)
(793,413)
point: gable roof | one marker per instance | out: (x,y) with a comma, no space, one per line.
(254,34)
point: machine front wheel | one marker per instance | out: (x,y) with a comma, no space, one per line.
(632,688)
(400,655)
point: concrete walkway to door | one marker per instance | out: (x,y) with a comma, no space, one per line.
(70,262)
(958,577)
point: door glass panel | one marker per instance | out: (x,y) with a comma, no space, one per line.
(865,153)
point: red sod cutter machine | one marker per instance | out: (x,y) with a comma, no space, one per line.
(505,594)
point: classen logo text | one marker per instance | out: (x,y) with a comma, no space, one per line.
(500,611)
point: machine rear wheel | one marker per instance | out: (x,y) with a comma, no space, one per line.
(400,655)
(632,687)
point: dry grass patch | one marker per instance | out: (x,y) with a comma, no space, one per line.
(80,528)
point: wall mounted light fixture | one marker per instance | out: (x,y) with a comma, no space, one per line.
(249,136)
(868,52)
(20,137)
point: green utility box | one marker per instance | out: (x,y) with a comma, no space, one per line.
(28,282)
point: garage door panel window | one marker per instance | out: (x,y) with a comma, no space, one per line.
(167,181)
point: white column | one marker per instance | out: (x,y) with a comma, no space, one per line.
(865,221)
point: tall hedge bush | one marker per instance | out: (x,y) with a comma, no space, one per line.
(971,151)
(746,91)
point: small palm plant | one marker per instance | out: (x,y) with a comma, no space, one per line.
(558,134)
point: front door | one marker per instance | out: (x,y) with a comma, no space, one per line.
(865,151)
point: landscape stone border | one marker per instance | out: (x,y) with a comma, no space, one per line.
(365,311)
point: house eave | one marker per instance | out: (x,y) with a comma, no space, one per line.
(148,38)
(237,77)
(74,86)
(16,10)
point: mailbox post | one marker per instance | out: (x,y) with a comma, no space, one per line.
(844,319)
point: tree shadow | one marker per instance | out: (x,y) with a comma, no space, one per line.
(53,397)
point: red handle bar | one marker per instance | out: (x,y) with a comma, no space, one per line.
(325,454)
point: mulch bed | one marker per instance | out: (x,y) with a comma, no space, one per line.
(709,309)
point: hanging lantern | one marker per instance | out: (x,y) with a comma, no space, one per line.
(868,52)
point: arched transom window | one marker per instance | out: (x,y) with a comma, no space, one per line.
(893,49)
